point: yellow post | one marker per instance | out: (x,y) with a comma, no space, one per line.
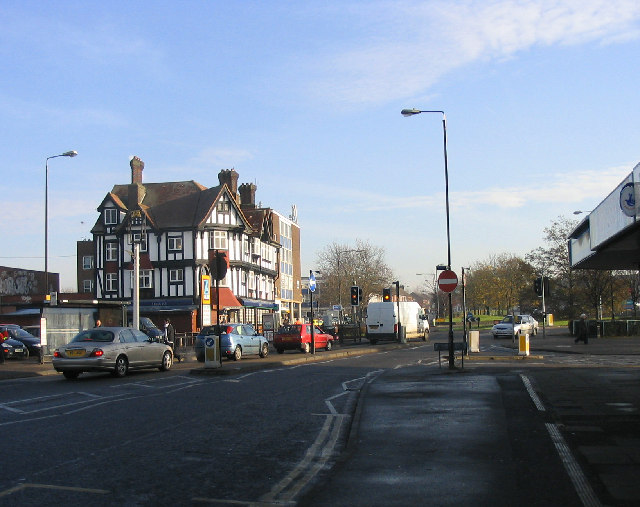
(523,349)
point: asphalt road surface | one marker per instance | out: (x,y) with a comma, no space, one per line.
(384,428)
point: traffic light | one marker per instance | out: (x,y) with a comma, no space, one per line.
(355,295)
(537,286)
(386,295)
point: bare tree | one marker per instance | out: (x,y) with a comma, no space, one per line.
(343,265)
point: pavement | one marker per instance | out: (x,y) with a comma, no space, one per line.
(391,459)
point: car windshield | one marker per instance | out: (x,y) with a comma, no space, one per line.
(509,319)
(147,322)
(94,335)
(21,333)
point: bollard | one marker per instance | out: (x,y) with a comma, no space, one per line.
(523,346)
(212,352)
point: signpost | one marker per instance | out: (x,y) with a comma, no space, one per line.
(312,289)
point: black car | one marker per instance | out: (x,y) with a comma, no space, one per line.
(31,342)
(13,349)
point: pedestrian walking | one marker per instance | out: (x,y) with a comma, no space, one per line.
(170,337)
(582,330)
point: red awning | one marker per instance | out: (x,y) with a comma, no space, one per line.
(227,299)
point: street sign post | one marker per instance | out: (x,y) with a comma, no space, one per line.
(312,289)
(447,281)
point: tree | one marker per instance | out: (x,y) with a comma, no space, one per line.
(552,261)
(502,284)
(342,266)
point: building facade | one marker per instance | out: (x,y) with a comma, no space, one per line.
(185,233)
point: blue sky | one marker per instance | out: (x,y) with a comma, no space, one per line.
(304,99)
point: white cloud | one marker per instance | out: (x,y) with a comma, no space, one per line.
(563,188)
(420,42)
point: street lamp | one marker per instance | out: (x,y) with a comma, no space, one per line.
(412,112)
(72,153)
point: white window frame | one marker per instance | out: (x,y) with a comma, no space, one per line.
(176,275)
(111,282)
(223,207)
(146,278)
(174,243)
(87,285)
(111,251)
(110,216)
(141,239)
(87,262)
(218,240)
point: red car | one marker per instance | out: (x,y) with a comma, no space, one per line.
(298,337)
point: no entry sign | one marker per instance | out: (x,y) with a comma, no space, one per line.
(447,281)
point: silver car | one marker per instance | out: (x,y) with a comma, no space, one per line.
(112,349)
(524,324)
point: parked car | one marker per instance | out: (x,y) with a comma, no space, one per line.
(34,330)
(112,349)
(150,329)
(524,324)
(31,342)
(13,349)
(298,337)
(236,340)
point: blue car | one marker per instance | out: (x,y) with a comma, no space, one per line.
(236,340)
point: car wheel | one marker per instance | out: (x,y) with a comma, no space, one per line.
(306,348)
(373,341)
(425,336)
(71,375)
(122,367)
(535,331)
(26,353)
(280,351)
(237,354)
(167,361)
(329,345)
(200,358)
(264,352)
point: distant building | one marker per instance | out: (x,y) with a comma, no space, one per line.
(18,284)
(86,272)
(184,226)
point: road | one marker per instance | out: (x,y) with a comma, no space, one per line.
(388,428)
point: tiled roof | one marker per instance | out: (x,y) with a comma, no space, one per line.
(172,205)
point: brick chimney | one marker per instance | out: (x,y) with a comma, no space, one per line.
(248,195)
(135,195)
(230,178)
(137,166)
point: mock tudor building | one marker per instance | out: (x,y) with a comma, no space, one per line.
(182,228)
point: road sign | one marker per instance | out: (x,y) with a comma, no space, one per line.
(312,281)
(447,281)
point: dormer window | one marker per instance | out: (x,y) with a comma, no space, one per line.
(110,216)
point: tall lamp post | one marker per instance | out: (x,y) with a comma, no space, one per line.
(72,153)
(411,112)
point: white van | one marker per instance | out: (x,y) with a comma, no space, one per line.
(382,321)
